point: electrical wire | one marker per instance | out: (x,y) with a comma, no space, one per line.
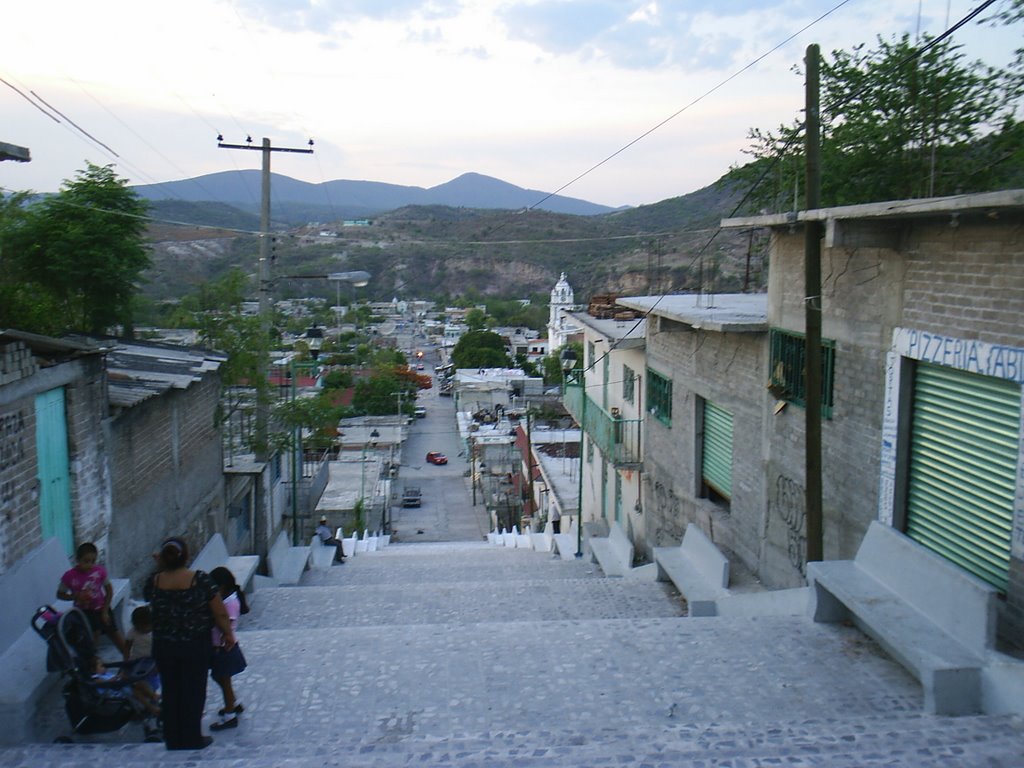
(775,161)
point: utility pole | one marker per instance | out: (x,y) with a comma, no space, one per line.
(265,284)
(812,312)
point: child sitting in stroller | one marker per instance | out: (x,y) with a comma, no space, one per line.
(96,699)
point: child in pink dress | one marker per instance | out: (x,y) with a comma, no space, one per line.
(88,586)
(227,663)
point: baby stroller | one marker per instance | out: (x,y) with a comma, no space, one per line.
(94,704)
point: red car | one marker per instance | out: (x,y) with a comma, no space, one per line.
(435,457)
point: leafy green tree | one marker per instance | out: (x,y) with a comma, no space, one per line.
(479,349)
(476,319)
(85,248)
(523,362)
(24,303)
(900,121)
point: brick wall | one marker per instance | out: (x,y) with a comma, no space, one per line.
(729,370)
(964,280)
(166,474)
(19,487)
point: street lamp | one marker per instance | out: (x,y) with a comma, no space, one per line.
(357,279)
(371,443)
(568,359)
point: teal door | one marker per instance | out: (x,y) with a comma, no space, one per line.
(52,460)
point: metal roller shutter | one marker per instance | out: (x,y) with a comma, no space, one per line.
(716,464)
(962,474)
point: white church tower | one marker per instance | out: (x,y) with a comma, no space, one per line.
(560,327)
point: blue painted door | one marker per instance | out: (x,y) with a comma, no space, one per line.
(52,459)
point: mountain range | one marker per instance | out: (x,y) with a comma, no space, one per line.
(295,202)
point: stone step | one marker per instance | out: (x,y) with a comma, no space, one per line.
(390,604)
(908,739)
(413,564)
(442,680)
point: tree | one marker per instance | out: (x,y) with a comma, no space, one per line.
(480,349)
(85,248)
(900,121)
(24,303)
(476,319)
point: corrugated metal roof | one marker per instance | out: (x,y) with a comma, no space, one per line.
(138,370)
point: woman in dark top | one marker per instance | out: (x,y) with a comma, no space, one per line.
(186,605)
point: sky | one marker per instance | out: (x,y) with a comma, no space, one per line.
(418,92)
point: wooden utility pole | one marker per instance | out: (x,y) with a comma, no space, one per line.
(812,311)
(265,283)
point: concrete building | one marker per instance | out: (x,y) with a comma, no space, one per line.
(165,454)
(924,361)
(54,476)
(609,408)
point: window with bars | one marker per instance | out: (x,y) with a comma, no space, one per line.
(787,380)
(659,397)
(628,382)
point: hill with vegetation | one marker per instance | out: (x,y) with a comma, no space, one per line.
(443,252)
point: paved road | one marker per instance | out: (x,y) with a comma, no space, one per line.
(447,513)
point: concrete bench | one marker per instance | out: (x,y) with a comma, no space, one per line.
(321,555)
(348,545)
(545,540)
(935,619)
(494,538)
(523,540)
(285,562)
(614,553)
(508,538)
(215,554)
(27,585)
(697,568)
(565,543)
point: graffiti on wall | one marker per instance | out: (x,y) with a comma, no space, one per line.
(12,453)
(668,519)
(788,501)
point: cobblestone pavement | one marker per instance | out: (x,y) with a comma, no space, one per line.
(465,655)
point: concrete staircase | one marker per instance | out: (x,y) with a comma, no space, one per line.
(466,655)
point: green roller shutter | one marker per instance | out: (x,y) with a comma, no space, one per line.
(963,459)
(716,462)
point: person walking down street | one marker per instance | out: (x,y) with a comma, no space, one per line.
(186,605)
(228,663)
(89,587)
(328,540)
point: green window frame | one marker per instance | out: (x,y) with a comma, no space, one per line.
(628,384)
(786,379)
(659,396)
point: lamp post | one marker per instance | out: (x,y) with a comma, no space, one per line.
(297,458)
(357,279)
(372,442)
(568,359)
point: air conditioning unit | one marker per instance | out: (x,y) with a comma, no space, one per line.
(616,413)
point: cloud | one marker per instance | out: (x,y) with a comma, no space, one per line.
(325,15)
(642,34)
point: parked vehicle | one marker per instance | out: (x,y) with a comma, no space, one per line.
(411,496)
(436,457)
(420,411)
